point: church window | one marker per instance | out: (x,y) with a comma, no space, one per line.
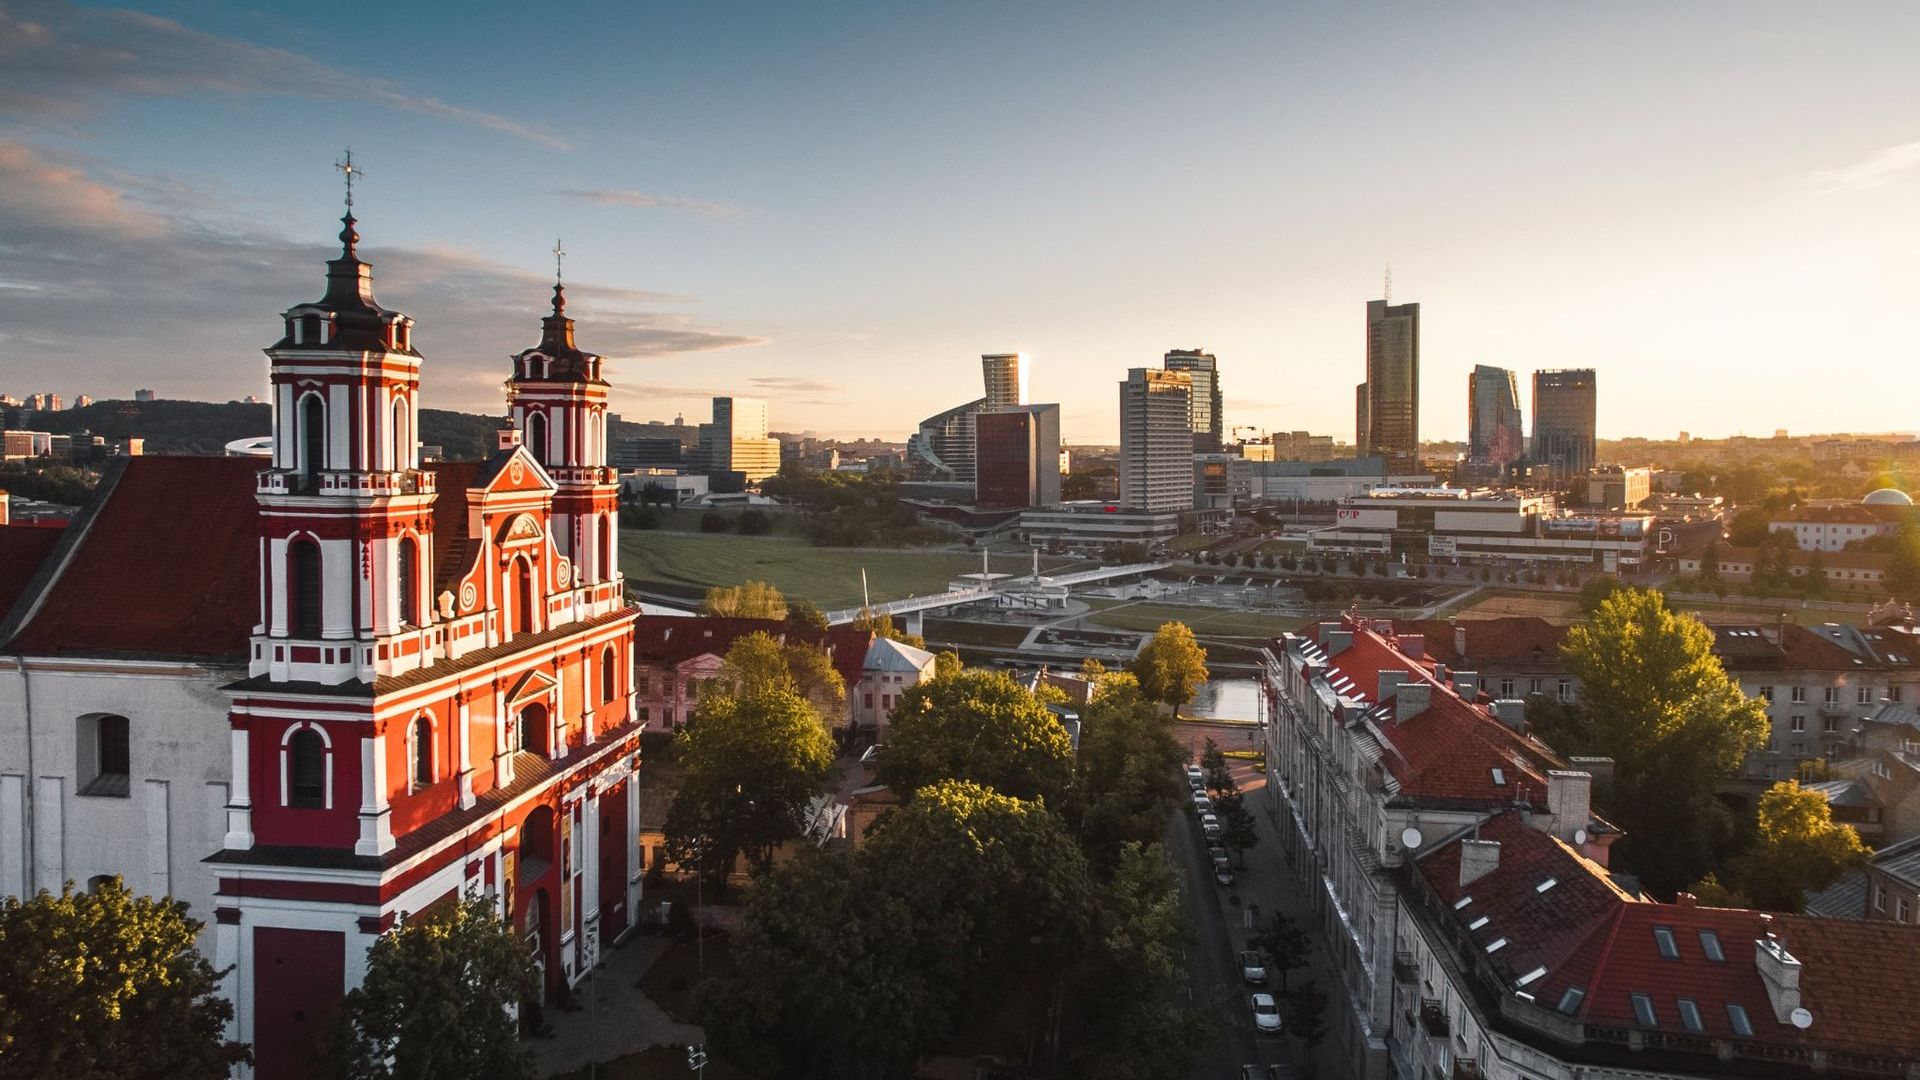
(534,729)
(104,755)
(537,435)
(402,435)
(303,591)
(523,597)
(313,435)
(307,770)
(422,752)
(608,674)
(407,576)
(606,547)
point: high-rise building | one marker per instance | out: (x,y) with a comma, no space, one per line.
(1205,413)
(1156,443)
(1362,405)
(1495,435)
(737,439)
(1390,419)
(1564,408)
(1006,377)
(1017,456)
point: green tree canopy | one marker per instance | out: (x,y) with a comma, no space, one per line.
(749,767)
(1799,848)
(760,663)
(1172,666)
(1903,569)
(975,725)
(1127,774)
(1656,700)
(1140,1023)
(107,984)
(436,998)
(748,600)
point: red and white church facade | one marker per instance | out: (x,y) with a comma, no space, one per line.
(315,699)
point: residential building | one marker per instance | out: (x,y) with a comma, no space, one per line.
(943,446)
(1006,377)
(313,697)
(1862,572)
(1495,437)
(1206,405)
(676,656)
(1156,445)
(889,669)
(1390,398)
(1517,656)
(1565,404)
(1887,889)
(1222,482)
(1834,527)
(1017,456)
(1618,487)
(737,440)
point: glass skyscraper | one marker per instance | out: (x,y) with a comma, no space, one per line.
(1390,422)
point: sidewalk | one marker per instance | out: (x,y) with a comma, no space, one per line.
(614,1017)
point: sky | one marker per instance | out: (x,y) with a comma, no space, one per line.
(840,206)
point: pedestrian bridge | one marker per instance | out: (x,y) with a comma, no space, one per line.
(915,605)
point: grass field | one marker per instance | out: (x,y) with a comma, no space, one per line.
(830,577)
(1564,608)
(1204,620)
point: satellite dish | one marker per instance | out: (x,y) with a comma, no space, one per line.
(1801,1018)
(1410,838)
(1579,836)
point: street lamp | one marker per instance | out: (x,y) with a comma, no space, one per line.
(697,1058)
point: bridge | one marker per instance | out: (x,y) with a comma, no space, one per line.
(914,606)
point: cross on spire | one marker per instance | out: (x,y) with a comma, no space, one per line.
(349,170)
(559,254)
(559,290)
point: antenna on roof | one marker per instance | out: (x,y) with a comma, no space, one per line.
(1389,288)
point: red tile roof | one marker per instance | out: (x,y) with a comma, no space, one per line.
(22,549)
(1779,647)
(1515,639)
(1858,978)
(165,563)
(671,640)
(1450,750)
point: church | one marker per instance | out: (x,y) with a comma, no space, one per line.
(317,698)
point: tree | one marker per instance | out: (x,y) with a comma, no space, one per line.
(713,521)
(884,626)
(1903,568)
(1655,699)
(1239,833)
(749,768)
(946,662)
(1595,592)
(1141,1024)
(107,984)
(1127,773)
(976,725)
(759,662)
(1283,943)
(748,600)
(1710,563)
(754,523)
(1799,848)
(1307,1018)
(1171,666)
(1815,582)
(436,1000)
(1709,891)
(1213,768)
(806,615)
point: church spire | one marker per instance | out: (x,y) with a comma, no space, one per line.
(349,237)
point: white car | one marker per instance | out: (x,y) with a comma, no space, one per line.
(1210,829)
(1202,804)
(1266,1014)
(1194,774)
(1253,968)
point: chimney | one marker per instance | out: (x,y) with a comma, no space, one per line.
(1779,971)
(1383,627)
(1600,768)
(1685,899)
(1411,700)
(1389,682)
(1467,684)
(1460,643)
(509,438)
(1511,712)
(1570,801)
(1338,641)
(1478,858)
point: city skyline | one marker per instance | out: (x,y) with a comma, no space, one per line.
(798,225)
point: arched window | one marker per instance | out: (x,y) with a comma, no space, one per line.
(608,673)
(537,435)
(313,435)
(105,757)
(406,573)
(534,729)
(422,752)
(303,589)
(402,435)
(100,881)
(523,597)
(307,770)
(606,547)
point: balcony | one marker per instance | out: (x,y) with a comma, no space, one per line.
(1433,1018)
(1405,971)
(1466,1070)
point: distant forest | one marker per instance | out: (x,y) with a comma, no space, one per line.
(205,427)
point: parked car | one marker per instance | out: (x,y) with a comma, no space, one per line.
(1207,818)
(1222,875)
(1253,968)
(1210,829)
(1216,852)
(1266,1014)
(1201,803)
(1195,774)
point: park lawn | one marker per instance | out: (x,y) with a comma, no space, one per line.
(1764,610)
(1203,620)
(830,577)
(961,632)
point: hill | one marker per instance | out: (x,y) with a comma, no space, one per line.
(205,427)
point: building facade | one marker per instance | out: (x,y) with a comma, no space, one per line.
(1206,405)
(1017,456)
(1495,436)
(1390,417)
(1565,404)
(1156,444)
(1006,376)
(737,440)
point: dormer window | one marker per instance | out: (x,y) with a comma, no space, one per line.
(309,331)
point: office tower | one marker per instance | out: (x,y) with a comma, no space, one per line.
(1205,412)
(1391,417)
(1564,408)
(1156,440)
(1361,405)
(1495,437)
(1017,456)
(1006,376)
(737,439)
(143,395)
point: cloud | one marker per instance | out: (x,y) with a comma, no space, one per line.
(788,385)
(645,201)
(108,290)
(1877,169)
(59,62)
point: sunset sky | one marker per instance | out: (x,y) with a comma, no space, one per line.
(839,206)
